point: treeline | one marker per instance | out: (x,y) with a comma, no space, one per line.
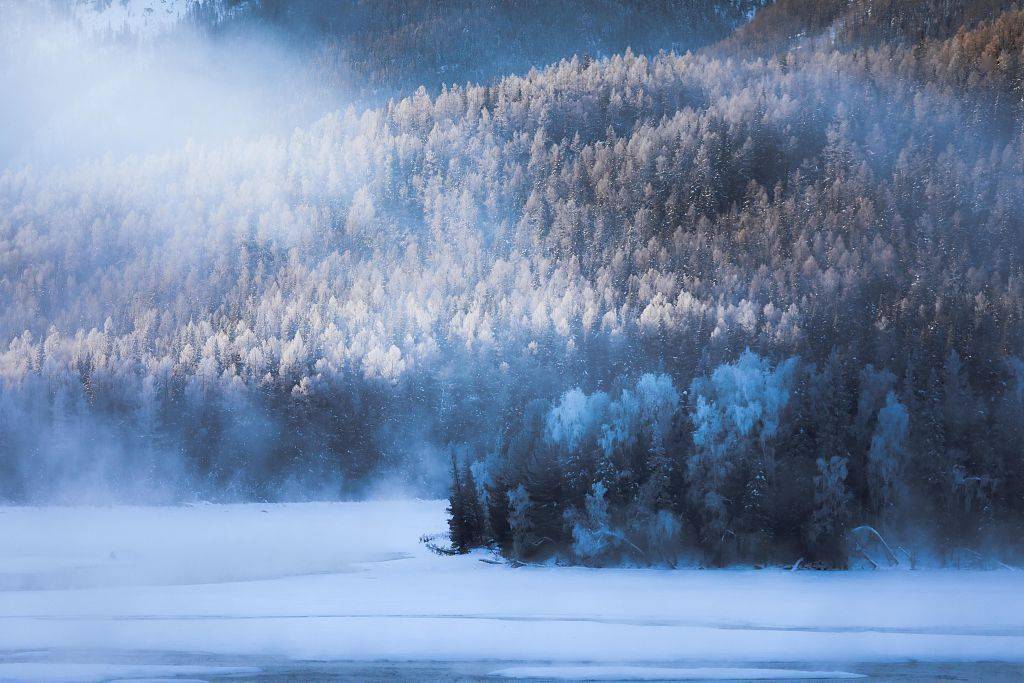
(754,462)
(309,314)
(786,25)
(380,49)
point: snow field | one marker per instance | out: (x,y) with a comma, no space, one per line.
(352,581)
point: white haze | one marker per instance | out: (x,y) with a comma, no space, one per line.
(83,82)
(132,84)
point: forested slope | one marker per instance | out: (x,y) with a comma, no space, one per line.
(848,24)
(653,306)
(375,49)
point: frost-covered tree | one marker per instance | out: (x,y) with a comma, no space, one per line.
(592,537)
(736,413)
(887,457)
(523,537)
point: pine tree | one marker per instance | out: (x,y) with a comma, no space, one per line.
(472,509)
(498,515)
(466,516)
(458,528)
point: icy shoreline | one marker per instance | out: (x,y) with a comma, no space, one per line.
(351,581)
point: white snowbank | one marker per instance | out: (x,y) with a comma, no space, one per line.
(60,547)
(352,581)
(654,673)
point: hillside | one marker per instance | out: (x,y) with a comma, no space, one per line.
(850,24)
(706,305)
(382,49)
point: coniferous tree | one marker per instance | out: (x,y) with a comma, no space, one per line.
(459,520)
(498,516)
(475,525)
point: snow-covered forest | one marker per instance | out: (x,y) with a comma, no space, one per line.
(726,296)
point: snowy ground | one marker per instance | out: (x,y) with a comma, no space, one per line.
(86,588)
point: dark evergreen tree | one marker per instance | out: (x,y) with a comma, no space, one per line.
(460,524)
(498,513)
(475,521)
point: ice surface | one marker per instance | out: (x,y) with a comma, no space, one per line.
(654,673)
(352,581)
(87,673)
(61,547)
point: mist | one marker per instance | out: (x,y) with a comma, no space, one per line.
(79,87)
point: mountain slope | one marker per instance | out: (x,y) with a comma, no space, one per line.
(848,24)
(659,305)
(380,49)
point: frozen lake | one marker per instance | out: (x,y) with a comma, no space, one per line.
(308,591)
(171,668)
